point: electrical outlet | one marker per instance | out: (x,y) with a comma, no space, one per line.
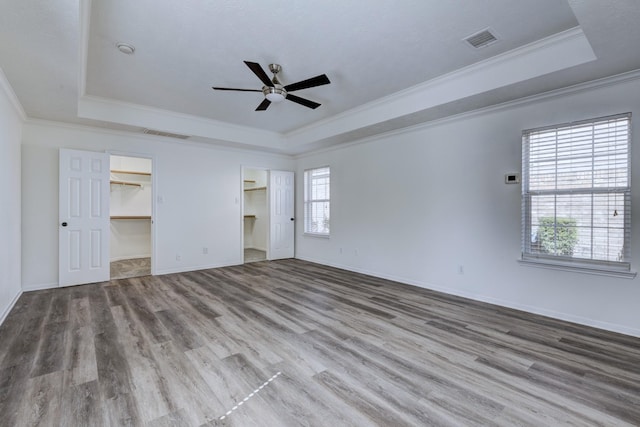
(178,257)
(205,251)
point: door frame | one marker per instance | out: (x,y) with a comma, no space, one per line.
(243,168)
(154,197)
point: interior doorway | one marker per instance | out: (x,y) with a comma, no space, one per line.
(131,202)
(268,221)
(255,215)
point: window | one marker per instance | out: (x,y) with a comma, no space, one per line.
(576,194)
(317,201)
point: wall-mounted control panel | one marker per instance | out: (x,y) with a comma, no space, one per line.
(512,178)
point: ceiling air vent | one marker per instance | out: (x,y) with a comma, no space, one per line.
(167,134)
(481,39)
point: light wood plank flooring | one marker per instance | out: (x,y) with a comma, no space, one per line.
(291,343)
(128,268)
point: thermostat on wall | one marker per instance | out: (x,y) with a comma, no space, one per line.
(512,178)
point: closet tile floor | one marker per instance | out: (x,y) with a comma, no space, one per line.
(128,268)
(254,255)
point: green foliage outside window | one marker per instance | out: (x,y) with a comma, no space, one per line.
(557,236)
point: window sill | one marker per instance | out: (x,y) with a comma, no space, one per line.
(321,236)
(585,269)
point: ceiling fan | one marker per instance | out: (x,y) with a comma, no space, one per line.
(274,91)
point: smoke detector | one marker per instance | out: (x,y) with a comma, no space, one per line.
(126,48)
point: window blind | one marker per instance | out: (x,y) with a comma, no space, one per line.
(317,200)
(576,193)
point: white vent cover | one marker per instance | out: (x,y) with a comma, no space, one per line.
(481,39)
(168,134)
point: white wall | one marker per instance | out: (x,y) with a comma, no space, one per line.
(200,187)
(416,205)
(10,181)
(130,238)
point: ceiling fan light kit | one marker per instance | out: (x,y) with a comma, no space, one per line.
(274,91)
(274,94)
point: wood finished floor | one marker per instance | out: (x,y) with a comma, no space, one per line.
(185,349)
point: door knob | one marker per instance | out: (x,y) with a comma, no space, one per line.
(292,219)
(64,224)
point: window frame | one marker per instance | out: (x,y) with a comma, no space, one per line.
(308,201)
(584,265)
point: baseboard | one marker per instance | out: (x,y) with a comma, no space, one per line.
(12,303)
(612,327)
(39,287)
(192,268)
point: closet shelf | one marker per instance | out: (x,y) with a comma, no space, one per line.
(255,189)
(132,184)
(130,217)
(250,216)
(250,181)
(132,172)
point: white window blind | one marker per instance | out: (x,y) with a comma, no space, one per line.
(576,193)
(317,201)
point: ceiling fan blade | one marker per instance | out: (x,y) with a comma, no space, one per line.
(259,71)
(312,82)
(232,88)
(263,105)
(302,101)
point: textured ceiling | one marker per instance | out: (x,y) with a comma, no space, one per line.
(368,50)
(59,54)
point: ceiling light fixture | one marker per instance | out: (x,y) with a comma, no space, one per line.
(126,48)
(274,94)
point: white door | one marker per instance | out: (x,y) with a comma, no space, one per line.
(281,218)
(84,217)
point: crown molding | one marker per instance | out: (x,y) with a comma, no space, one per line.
(97,108)
(528,100)
(557,52)
(213,145)
(11,95)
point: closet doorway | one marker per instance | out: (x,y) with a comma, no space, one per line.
(268,222)
(255,215)
(131,206)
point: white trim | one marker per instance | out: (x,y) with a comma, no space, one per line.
(319,235)
(12,303)
(98,108)
(554,53)
(13,98)
(40,286)
(194,268)
(495,301)
(527,100)
(585,269)
(155,139)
